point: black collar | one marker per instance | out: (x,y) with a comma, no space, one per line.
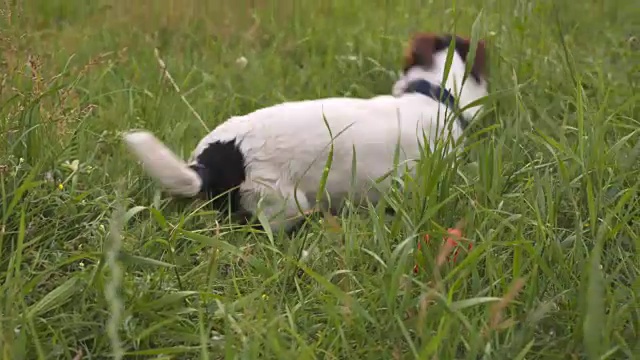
(437,93)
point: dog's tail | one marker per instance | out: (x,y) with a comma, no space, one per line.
(163,165)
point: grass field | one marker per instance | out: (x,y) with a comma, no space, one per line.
(95,262)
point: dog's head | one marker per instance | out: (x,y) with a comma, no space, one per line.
(426,58)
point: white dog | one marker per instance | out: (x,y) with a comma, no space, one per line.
(271,161)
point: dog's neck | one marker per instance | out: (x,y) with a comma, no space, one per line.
(465,93)
(440,94)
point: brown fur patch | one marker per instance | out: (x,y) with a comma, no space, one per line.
(423,45)
(479,67)
(420,50)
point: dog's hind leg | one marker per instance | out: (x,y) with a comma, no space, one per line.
(283,207)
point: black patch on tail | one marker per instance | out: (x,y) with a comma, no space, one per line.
(221,167)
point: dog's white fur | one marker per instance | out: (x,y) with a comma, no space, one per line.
(286,146)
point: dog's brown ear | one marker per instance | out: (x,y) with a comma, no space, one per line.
(479,67)
(420,51)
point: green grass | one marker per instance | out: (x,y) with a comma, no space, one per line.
(94,259)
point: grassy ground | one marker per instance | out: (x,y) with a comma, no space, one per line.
(95,262)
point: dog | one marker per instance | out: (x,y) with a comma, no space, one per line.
(272,161)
